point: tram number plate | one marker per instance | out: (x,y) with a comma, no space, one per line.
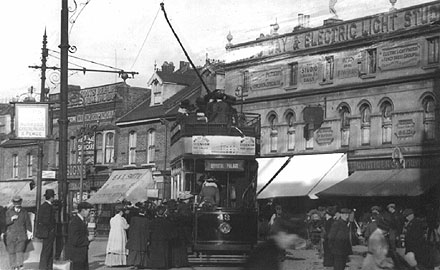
(225,217)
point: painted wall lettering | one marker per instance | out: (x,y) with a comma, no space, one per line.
(363,28)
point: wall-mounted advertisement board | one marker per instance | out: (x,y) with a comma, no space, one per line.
(31,120)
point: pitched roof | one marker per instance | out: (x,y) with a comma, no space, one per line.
(190,92)
(141,112)
(144,112)
(185,79)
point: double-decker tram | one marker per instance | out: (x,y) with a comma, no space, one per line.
(217,163)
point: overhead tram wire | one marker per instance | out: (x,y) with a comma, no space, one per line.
(121,72)
(145,39)
(90,61)
(183,48)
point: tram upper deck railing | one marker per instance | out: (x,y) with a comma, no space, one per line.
(239,124)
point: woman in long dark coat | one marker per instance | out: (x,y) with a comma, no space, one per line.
(138,240)
(162,233)
(328,255)
(180,220)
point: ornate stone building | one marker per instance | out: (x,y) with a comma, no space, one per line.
(368,88)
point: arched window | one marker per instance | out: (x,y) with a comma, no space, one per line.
(386,110)
(273,140)
(344,113)
(132,147)
(151,146)
(429,118)
(290,120)
(365,111)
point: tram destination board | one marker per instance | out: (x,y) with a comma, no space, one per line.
(224,165)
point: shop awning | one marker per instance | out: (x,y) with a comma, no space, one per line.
(9,189)
(267,168)
(397,182)
(30,196)
(306,175)
(131,185)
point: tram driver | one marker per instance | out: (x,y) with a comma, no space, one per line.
(209,194)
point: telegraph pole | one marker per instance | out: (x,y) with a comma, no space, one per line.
(63,122)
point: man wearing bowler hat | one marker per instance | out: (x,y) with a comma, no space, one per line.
(46,230)
(78,238)
(18,231)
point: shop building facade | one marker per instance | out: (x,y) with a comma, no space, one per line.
(367,87)
(92,134)
(147,130)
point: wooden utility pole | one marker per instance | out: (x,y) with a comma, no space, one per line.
(63,123)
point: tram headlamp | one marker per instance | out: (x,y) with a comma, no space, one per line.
(225,227)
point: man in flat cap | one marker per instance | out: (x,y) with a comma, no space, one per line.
(78,238)
(46,230)
(339,240)
(18,231)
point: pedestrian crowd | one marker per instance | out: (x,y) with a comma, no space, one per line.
(150,235)
(396,238)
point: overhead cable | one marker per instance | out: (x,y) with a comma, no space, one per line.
(145,39)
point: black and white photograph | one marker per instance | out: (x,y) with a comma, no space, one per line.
(208,134)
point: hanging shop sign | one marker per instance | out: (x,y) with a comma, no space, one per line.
(223,145)
(31,120)
(224,165)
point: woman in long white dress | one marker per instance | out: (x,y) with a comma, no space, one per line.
(117,239)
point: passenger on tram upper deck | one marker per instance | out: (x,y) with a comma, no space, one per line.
(221,113)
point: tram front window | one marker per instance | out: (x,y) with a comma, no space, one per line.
(218,189)
(221,182)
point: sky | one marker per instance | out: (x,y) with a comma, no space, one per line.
(133,34)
